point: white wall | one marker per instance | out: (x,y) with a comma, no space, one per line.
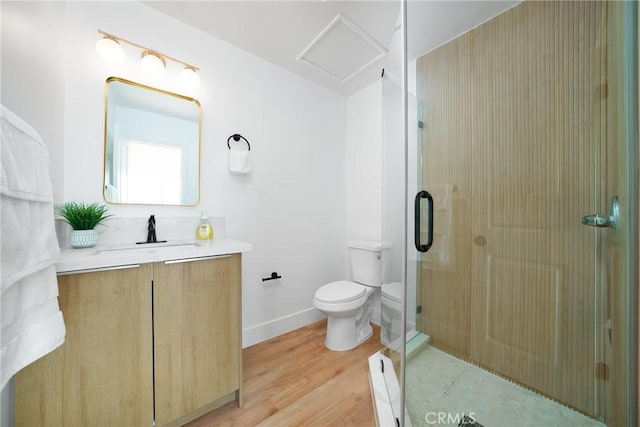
(393,172)
(292,205)
(32,73)
(364,164)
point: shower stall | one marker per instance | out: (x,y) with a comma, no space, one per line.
(510,170)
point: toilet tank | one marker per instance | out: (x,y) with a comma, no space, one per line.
(369,262)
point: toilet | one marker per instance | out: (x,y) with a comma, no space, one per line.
(348,304)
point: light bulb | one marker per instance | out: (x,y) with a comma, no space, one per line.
(109,49)
(189,77)
(152,63)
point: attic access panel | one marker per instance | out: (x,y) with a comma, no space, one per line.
(342,49)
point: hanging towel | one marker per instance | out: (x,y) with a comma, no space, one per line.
(239,161)
(441,250)
(31,321)
(111,193)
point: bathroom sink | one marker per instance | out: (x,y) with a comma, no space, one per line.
(145,248)
(110,255)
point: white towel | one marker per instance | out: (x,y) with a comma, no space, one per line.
(25,160)
(239,161)
(441,250)
(29,241)
(32,324)
(111,193)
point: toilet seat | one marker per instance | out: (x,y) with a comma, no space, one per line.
(392,291)
(339,292)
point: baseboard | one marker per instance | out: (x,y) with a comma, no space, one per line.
(264,331)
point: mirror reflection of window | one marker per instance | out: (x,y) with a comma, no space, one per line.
(152,146)
(154,173)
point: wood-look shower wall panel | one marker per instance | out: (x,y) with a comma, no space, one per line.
(532,113)
(444,85)
(539,70)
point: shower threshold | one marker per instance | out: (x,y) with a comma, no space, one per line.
(385,391)
(415,342)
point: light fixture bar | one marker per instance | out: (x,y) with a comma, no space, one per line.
(139,46)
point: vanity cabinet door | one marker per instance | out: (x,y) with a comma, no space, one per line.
(196,336)
(102,375)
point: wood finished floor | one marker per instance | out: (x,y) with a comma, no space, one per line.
(293,380)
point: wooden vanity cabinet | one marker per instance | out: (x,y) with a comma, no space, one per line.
(167,333)
(197,337)
(103,373)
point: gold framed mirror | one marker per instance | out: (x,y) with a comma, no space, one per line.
(151,145)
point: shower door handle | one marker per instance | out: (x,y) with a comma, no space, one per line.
(417,214)
(604,221)
(597,221)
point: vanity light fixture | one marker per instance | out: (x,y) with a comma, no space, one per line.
(189,77)
(152,63)
(109,47)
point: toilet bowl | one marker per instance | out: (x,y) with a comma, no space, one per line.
(348,309)
(347,304)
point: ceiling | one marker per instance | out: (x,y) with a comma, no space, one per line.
(341,45)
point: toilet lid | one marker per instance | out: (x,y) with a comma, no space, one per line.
(340,291)
(393,291)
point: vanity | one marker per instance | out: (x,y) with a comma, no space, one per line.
(153,338)
(153,331)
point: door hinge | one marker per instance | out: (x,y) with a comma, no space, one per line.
(602,371)
(420,124)
(419,309)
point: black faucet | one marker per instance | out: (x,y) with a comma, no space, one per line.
(151,232)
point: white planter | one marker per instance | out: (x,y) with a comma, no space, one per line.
(83,238)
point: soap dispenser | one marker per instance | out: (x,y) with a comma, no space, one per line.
(204,231)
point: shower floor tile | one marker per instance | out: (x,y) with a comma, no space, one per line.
(440,385)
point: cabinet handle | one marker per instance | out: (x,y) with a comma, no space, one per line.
(95,270)
(204,258)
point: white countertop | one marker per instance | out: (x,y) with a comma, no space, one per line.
(98,257)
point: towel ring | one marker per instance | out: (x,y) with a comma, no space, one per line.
(237,137)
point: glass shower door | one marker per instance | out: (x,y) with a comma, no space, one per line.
(393,222)
(394,334)
(529,124)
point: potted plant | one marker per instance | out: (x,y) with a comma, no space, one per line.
(83,218)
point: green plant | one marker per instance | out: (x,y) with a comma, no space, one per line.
(81,216)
